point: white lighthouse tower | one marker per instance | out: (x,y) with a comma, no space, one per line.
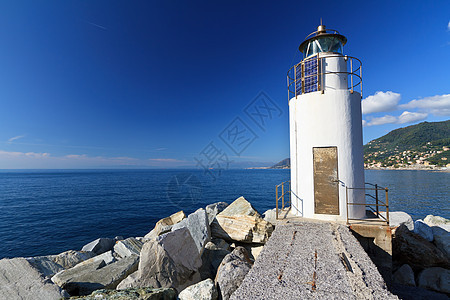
(325,91)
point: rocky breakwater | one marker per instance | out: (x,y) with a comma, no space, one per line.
(204,255)
(421,252)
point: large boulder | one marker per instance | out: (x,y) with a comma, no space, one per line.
(270,215)
(128,247)
(132,294)
(442,240)
(172,260)
(211,259)
(198,225)
(397,218)
(436,278)
(204,290)
(404,275)
(422,229)
(241,222)
(85,278)
(51,264)
(431,221)
(19,279)
(99,246)
(165,225)
(410,248)
(214,209)
(232,271)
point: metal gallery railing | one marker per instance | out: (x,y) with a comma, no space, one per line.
(280,188)
(308,75)
(373,195)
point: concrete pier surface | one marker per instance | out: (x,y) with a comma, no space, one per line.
(313,260)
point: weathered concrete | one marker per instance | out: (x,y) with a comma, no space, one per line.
(313,260)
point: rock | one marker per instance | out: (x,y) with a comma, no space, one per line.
(270,215)
(99,246)
(19,279)
(422,229)
(211,259)
(431,220)
(172,260)
(436,278)
(232,271)
(255,251)
(241,222)
(85,278)
(128,247)
(221,244)
(165,225)
(410,248)
(404,275)
(133,294)
(107,258)
(214,209)
(442,240)
(51,264)
(198,226)
(118,238)
(204,290)
(436,221)
(397,218)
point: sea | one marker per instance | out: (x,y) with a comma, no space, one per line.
(45,212)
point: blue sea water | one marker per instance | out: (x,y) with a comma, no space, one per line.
(48,212)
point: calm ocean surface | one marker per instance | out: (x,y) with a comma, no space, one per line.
(48,212)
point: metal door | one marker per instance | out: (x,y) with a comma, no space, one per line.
(326,184)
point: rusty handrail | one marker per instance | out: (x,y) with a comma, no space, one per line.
(378,203)
(283,192)
(292,82)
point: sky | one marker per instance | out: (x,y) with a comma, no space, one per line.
(182,84)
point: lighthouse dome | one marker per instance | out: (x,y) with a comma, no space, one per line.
(322,40)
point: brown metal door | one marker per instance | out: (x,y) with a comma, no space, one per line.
(326,188)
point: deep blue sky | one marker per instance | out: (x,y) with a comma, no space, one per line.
(87,84)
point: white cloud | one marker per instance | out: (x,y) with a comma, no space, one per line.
(437,105)
(364,123)
(380,102)
(15,138)
(382,120)
(448,26)
(34,160)
(405,117)
(411,117)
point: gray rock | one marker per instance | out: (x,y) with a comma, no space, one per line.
(204,290)
(214,209)
(211,259)
(422,229)
(412,249)
(51,264)
(118,238)
(397,218)
(431,220)
(84,278)
(232,271)
(442,240)
(172,260)
(99,246)
(221,244)
(133,294)
(128,247)
(19,279)
(241,222)
(270,215)
(436,278)
(165,225)
(404,275)
(198,226)
(107,258)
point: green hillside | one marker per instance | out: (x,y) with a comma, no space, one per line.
(424,143)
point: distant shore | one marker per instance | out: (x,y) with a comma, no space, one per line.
(444,170)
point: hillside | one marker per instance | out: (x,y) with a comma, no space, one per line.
(284,164)
(423,144)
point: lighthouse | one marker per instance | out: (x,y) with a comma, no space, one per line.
(326,147)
